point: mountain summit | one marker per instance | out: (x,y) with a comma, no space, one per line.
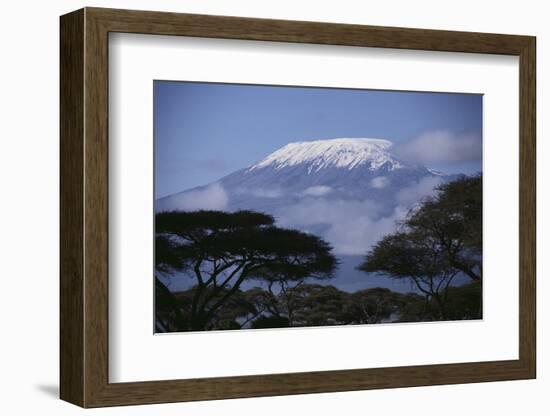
(333,169)
(337,153)
(348,169)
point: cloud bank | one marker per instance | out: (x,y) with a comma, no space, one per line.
(212,197)
(352,227)
(317,190)
(441,146)
(421,189)
(379,182)
(261,192)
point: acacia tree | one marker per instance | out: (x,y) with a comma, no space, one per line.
(439,239)
(414,256)
(375,305)
(284,291)
(453,217)
(221,250)
(316,305)
(236,313)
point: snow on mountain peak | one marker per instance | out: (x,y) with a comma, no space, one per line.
(336,153)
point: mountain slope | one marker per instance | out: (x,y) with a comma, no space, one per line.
(348,169)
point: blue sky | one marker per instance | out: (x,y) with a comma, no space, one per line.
(204,131)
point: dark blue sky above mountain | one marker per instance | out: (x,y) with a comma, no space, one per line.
(204,131)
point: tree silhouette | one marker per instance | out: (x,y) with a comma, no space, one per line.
(414,256)
(282,293)
(317,305)
(453,217)
(169,317)
(221,250)
(439,239)
(463,303)
(375,305)
(236,313)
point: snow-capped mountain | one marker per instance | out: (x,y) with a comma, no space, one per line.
(348,169)
(349,191)
(351,170)
(335,153)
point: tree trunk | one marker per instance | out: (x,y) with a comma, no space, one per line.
(441,306)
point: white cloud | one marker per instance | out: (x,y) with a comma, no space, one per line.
(259,192)
(213,197)
(379,182)
(441,146)
(417,191)
(317,190)
(350,226)
(353,227)
(355,236)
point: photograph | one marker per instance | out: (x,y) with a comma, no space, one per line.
(297,206)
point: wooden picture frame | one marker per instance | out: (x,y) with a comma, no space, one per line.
(84,207)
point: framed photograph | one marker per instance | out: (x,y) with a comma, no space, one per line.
(255,207)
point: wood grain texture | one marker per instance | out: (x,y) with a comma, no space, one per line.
(527,207)
(96,218)
(84,207)
(162,23)
(71,100)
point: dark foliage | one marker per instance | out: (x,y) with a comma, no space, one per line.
(270,322)
(439,239)
(169,316)
(463,303)
(372,306)
(324,305)
(454,218)
(221,250)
